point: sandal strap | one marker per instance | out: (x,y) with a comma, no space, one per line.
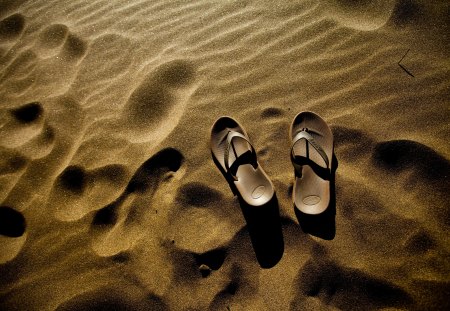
(303,134)
(230,136)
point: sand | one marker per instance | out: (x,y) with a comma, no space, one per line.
(109,196)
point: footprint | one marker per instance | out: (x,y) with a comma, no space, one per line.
(198,195)
(421,15)
(345,288)
(74,48)
(239,290)
(159,97)
(174,74)
(363,213)
(114,299)
(12,222)
(210,260)
(199,208)
(53,36)
(146,179)
(25,125)
(57,39)
(351,144)
(362,14)
(401,155)
(28,113)
(12,26)
(118,223)
(11,161)
(107,216)
(272,112)
(152,171)
(58,128)
(73,179)
(190,267)
(149,104)
(427,171)
(78,191)
(419,242)
(12,233)
(29,128)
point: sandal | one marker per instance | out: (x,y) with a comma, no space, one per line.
(311,156)
(235,157)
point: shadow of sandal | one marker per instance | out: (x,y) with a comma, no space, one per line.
(264,227)
(234,155)
(322,225)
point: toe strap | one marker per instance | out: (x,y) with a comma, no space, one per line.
(230,137)
(304,134)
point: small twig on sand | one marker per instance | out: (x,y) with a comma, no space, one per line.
(406,70)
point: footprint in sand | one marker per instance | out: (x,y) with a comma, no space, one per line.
(401,155)
(210,260)
(272,112)
(204,226)
(198,208)
(190,266)
(57,40)
(11,162)
(44,67)
(53,36)
(231,265)
(240,286)
(362,14)
(407,165)
(24,129)
(12,233)
(127,297)
(11,27)
(118,225)
(58,53)
(352,144)
(421,15)
(322,282)
(157,104)
(12,222)
(426,169)
(363,212)
(198,195)
(42,138)
(79,191)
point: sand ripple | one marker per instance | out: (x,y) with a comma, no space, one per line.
(110,199)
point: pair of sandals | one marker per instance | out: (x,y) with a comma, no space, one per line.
(311,156)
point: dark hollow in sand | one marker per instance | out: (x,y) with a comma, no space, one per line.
(12,222)
(28,113)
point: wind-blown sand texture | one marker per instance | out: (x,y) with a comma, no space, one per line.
(110,199)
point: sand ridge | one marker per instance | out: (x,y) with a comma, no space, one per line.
(110,198)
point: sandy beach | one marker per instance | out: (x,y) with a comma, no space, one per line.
(110,199)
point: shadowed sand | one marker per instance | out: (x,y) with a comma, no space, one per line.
(109,197)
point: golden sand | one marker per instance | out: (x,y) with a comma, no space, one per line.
(110,199)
